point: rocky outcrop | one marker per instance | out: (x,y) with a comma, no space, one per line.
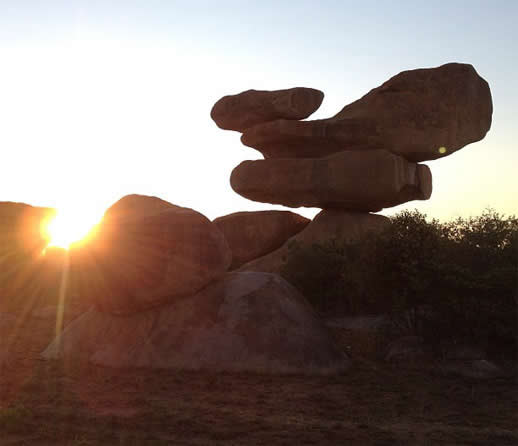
(244,110)
(367,181)
(148,252)
(246,321)
(253,234)
(419,114)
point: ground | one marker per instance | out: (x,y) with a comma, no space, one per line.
(373,403)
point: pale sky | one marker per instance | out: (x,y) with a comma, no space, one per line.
(99,99)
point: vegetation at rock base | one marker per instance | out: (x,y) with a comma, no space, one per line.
(454,282)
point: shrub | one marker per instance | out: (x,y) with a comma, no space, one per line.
(457,281)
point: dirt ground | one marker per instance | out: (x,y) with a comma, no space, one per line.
(373,403)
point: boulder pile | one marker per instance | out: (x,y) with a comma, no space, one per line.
(156,275)
(364,159)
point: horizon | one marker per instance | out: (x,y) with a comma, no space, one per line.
(101,101)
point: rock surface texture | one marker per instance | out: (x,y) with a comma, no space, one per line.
(242,111)
(419,114)
(246,321)
(253,234)
(149,252)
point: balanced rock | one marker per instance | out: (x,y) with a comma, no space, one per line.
(253,234)
(419,114)
(147,252)
(247,321)
(367,180)
(328,226)
(241,111)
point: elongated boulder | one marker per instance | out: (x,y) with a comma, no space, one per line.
(247,321)
(254,234)
(241,111)
(366,181)
(148,252)
(419,114)
(328,226)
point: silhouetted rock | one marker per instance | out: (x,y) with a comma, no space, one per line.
(21,228)
(247,321)
(22,240)
(419,114)
(328,226)
(148,252)
(246,109)
(367,181)
(253,234)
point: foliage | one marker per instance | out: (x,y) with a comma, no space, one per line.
(457,280)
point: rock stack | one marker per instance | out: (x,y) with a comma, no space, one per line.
(364,159)
(157,277)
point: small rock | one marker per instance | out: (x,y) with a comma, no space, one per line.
(244,110)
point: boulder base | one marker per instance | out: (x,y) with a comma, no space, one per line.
(253,234)
(247,321)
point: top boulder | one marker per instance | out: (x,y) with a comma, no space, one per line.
(419,114)
(244,110)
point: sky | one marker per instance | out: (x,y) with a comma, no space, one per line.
(101,99)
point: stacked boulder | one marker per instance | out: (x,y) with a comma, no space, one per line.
(157,277)
(364,159)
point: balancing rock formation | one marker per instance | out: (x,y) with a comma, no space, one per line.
(156,275)
(364,158)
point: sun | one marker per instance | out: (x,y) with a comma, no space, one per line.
(67,228)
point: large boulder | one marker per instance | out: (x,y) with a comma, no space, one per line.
(253,234)
(419,114)
(329,226)
(366,181)
(247,321)
(147,252)
(241,111)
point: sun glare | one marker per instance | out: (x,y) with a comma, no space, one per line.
(67,228)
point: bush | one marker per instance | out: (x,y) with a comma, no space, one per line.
(458,280)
